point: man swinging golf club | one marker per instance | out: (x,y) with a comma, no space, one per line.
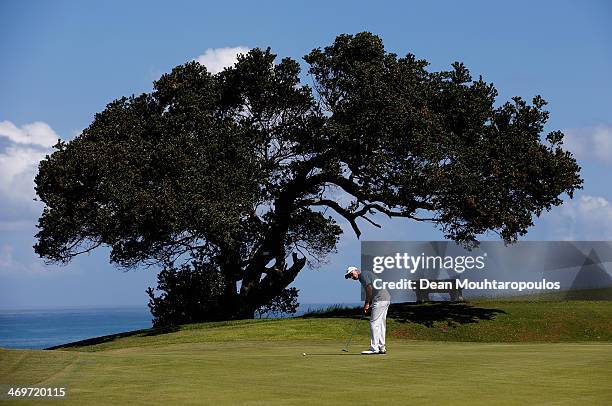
(376,303)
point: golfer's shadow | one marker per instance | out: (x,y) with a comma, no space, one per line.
(426,314)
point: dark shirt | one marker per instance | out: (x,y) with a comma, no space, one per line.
(367,278)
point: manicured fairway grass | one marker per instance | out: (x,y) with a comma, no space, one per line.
(265,372)
(479,353)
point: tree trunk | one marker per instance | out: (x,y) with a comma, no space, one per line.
(255,291)
(261,292)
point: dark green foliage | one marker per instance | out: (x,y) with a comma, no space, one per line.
(284,304)
(195,292)
(191,294)
(235,168)
(148,172)
(435,141)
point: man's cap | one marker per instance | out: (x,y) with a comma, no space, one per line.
(349,270)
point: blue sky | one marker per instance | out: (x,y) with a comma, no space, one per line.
(64,61)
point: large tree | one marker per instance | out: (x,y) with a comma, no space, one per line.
(235,170)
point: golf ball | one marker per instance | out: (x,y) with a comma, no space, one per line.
(304,354)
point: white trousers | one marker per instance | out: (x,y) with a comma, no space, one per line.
(378,325)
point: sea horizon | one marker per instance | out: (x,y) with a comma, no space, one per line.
(40,328)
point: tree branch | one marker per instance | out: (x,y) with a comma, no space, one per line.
(351,216)
(348,215)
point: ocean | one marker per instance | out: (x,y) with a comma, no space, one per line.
(36,329)
(45,328)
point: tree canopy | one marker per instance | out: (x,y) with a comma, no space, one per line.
(235,169)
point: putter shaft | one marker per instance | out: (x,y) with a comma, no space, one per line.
(348,343)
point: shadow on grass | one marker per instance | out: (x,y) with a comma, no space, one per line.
(145,333)
(453,314)
(112,337)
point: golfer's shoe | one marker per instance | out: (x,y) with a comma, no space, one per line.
(382,350)
(369,352)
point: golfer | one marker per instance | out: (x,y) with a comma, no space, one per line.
(376,303)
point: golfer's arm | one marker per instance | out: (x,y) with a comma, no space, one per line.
(368,299)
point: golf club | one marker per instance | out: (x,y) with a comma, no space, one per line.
(348,343)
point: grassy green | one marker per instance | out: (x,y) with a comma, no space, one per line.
(267,372)
(477,353)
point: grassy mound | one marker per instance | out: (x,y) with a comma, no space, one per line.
(482,321)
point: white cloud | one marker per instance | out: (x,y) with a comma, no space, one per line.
(216,59)
(27,145)
(18,166)
(585,218)
(37,133)
(594,143)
